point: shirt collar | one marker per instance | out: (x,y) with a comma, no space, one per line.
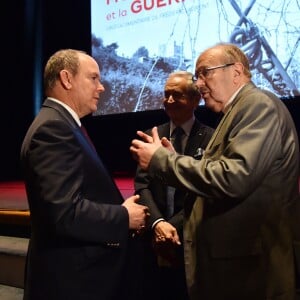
(227,105)
(68,108)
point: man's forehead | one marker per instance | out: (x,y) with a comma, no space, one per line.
(209,57)
(174,81)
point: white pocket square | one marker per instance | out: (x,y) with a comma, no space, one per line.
(199,153)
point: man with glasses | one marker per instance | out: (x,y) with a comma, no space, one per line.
(163,266)
(240,234)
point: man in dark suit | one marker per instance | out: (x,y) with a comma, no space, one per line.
(162,256)
(81,225)
(239,232)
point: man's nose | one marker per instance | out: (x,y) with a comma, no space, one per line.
(101,88)
(170,99)
(200,82)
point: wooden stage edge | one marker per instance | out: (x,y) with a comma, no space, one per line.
(13,203)
(14,207)
(15,217)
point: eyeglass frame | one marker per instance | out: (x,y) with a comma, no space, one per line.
(203,74)
(178,95)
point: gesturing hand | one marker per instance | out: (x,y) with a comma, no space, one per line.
(142,151)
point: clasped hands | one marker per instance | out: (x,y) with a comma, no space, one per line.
(166,232)
(165,243)
(142,151)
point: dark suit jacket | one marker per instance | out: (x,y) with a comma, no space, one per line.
(238,235)
(153,193)
(79,229)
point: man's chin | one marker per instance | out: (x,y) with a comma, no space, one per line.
(94,108)
(210,103)
(213,106)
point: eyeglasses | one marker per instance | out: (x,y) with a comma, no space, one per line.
(175,95)
(202,74)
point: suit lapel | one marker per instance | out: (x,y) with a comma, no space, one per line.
(194,145)
(223,125)
(164,130)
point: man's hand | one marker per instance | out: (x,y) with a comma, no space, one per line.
(165,243)
(164,231)
(138,214)
(142,151)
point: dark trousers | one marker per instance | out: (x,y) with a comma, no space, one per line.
(172,283)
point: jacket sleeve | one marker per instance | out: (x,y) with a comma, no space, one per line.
(237,159)
(62,200)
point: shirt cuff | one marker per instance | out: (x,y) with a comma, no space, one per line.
(157,221)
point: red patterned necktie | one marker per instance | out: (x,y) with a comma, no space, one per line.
(87,136)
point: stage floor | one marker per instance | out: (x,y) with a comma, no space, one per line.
(13,194)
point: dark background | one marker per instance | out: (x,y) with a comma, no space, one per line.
(33,30)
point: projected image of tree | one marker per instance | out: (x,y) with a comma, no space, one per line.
(137,43)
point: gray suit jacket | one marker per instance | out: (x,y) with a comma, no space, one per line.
(238,234)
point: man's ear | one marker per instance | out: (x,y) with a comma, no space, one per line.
(238,72)
(65,78)
(238,69)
